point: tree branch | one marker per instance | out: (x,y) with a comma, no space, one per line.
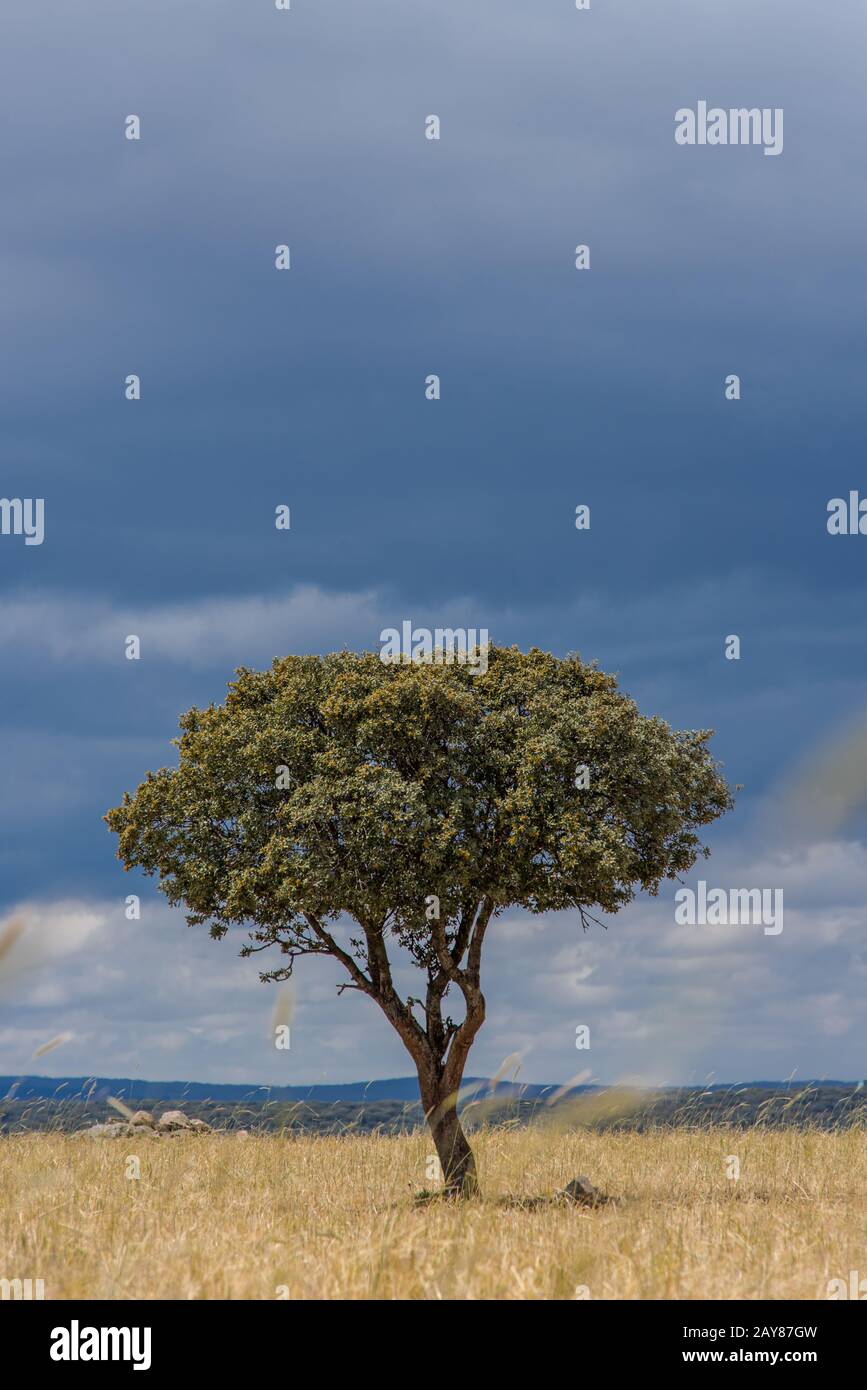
(330,945)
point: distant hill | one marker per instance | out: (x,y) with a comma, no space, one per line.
(402,1088)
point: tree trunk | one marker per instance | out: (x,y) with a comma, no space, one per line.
(453,1150)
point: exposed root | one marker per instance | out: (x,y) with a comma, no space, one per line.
(580,1192)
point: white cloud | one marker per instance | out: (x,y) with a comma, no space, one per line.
(664,1003)
(49,933)
(199,633)
(673,627)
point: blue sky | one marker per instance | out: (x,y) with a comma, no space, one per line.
(605,387)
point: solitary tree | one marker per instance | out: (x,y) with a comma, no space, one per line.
(338,805)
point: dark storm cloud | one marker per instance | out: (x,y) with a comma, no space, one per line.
(411,257)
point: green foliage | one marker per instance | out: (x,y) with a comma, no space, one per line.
(408,780)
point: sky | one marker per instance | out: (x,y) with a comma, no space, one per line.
(603,387)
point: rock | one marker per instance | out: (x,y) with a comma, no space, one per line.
(174,1119)
(582,1192)
(242,1134)
(142,1125)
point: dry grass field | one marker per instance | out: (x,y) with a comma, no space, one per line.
(334,1217)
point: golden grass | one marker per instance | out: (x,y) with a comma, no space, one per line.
(333,1217)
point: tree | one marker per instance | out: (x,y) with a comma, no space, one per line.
(417,802)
